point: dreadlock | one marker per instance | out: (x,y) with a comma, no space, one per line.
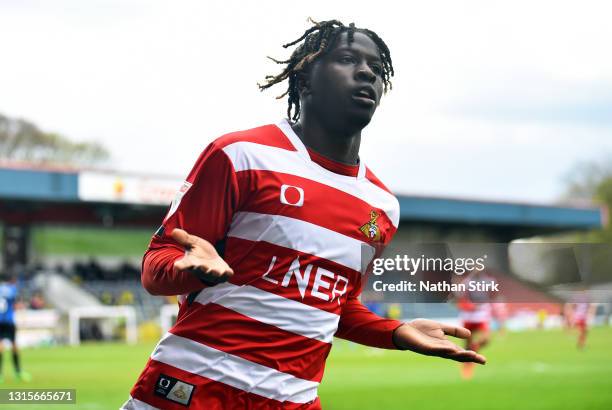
(315,43)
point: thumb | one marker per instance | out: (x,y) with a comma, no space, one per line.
(182,237)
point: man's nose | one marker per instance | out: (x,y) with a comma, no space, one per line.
(365,73)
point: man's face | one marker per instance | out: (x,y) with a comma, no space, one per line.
(345,85)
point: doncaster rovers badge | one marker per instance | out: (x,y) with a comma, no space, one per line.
(371,229)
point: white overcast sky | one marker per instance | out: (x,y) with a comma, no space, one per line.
(491,100)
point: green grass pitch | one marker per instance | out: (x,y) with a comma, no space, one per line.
(530,370)
(52,240)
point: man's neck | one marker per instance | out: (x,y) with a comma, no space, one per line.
(331,144)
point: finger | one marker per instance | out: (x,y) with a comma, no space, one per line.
(183,238)
(450,350)
(468,356)
(455,331)
(210,278)
(216,270)
(219,274)
(462,355)
(481,359)
(228,272)
(182,264)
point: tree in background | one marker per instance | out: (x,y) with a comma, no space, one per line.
(585,180)
(22,141)
(592,182)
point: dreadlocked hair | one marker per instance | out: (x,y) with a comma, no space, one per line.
(314,44)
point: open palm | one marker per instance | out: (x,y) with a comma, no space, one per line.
(429,337)
(201,259)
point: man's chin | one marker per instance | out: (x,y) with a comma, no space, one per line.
(361,119)
(348,121)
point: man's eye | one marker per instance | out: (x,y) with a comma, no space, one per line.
(377,69)
(347,59)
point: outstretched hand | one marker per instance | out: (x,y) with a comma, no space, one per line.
(429,338)
(201,259)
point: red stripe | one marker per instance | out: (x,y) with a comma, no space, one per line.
(374,179)
(269,135)
(251,260)
(354,211)
(208,394)
(333,166)
(236,334)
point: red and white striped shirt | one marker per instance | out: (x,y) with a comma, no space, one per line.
(293,226)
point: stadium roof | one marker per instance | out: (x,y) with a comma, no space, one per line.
(469,211)
(82,187)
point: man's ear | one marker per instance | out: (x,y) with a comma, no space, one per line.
(303,83)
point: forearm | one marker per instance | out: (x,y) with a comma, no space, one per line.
(159,278)
(402,337)
(360,325)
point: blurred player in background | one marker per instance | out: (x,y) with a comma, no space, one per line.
(566,313)
(8,296)
(265,239)
(499,308)
(582,313)
(542,315)
(475,313)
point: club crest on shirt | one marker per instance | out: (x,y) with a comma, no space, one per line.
(180,393)
(370,229)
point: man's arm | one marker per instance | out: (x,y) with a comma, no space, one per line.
(175,271)
(158,277)
(429,338)
(181,258)
(360,325)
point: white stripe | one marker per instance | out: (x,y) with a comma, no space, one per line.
(252,156)
(301,236)
(285,127)
(197,358)
(135,404)
(297,143)
(266,307)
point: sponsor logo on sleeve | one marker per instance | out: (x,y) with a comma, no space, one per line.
(178,197)
(174,389)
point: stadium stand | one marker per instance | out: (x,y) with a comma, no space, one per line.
(31,197)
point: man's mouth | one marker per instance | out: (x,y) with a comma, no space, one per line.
(365,96)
